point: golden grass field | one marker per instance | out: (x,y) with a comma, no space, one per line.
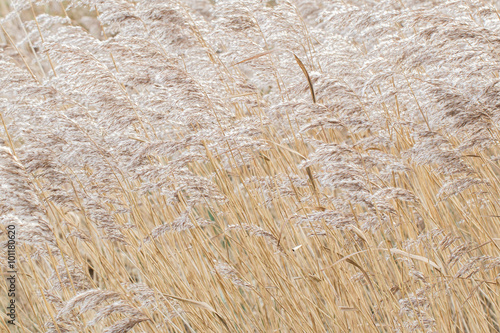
(250,166)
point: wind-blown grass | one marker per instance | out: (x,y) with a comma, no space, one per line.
(251,166)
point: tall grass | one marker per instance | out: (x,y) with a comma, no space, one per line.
(251,166)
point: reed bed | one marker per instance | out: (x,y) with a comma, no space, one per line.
(251,166)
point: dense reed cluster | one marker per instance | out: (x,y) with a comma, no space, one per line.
(251,165)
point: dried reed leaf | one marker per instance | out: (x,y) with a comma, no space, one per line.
(253,57)
(417,257)
(201,305)
(304,70)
